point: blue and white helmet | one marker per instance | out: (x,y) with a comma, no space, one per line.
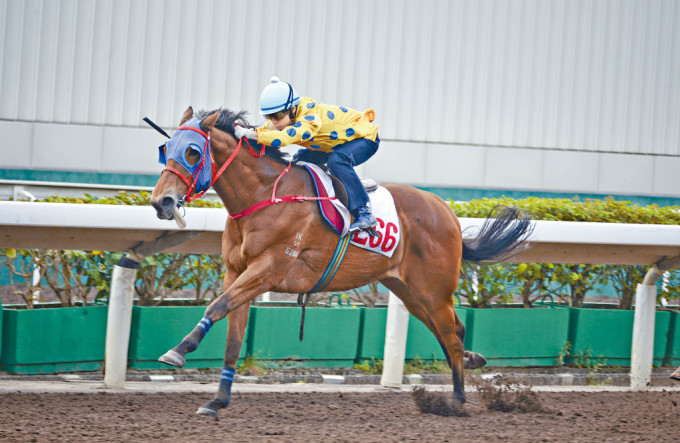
(278,96)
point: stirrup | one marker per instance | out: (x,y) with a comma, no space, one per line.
(370,230)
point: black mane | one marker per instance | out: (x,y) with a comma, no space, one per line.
(225,122)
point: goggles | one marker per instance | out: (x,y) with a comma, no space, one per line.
(277,115)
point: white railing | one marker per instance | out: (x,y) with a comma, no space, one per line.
(136,229)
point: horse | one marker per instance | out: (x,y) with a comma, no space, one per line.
(286,247)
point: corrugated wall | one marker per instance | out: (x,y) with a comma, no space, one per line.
(568,74)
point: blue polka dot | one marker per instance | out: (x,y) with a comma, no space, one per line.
(276,143)
(349,132)
(343,109)
(334,135)
(306,135)
(297,124)
(330,115)
(309,118)
(291,132)
(311,105)
(315,146)
(311,139)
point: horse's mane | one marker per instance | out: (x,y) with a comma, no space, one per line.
(225,122)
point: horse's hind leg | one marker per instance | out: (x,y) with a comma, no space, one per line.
(236,329)
(443,322)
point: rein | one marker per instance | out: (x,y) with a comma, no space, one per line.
(341,248)
(274,199)
(216,175)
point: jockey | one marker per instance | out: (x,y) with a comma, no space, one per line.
(339,137)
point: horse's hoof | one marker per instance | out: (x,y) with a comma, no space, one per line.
(472,360)
(676,375)
(172,358)
(207,411)
(459,398)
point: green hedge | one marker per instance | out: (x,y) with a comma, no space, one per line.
(568,283)
(71,273)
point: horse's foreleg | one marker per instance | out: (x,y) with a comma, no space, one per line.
(232,302)
(176,356)
(238,321)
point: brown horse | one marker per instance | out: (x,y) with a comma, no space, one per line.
(423,271)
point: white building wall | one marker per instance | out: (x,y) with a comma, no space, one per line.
(546,95)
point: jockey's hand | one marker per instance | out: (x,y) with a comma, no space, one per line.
(242,132)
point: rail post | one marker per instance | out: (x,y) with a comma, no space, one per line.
(120,303)
(118,322)
(642,348)
(396,331)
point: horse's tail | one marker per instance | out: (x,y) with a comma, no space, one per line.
(503,234)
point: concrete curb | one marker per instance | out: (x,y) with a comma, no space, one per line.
(659,378)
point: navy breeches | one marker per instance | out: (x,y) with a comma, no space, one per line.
(341,162)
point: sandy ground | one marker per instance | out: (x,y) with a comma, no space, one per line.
(153,411)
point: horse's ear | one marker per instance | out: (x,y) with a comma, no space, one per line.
(208,122)
(187,115)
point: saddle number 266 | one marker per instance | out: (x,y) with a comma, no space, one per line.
(385,240)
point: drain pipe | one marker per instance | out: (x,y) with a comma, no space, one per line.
(120,303)
(642,350)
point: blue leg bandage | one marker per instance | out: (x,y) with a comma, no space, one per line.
(205,324)
(228,373)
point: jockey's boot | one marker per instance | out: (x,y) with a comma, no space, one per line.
(363,219)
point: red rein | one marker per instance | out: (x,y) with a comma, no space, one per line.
(257,206)
(207,151)
(274,200)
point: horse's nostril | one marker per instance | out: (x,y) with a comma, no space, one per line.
(168,202)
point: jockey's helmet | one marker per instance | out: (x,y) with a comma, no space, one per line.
(278,96)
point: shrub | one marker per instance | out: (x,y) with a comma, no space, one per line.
(74,274)
(489,284)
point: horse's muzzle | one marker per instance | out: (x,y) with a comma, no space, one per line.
(165,206)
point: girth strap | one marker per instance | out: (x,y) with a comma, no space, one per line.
(329,273)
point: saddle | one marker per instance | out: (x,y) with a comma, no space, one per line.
(369,185)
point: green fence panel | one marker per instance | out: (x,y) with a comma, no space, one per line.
(331,336)
(2,315)
(420,342)
(50,340)
(156,329)
(662,339)
(673,345)
(606,335)
(518,337)
(372,337)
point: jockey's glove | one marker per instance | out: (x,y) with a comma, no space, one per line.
(242,132)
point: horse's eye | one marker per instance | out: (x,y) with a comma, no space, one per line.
(192,155)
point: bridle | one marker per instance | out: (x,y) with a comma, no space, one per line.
(207,150)
(192,180)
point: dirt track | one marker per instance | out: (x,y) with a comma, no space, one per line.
(366,417)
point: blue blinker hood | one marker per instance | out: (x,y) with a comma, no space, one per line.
(176,150)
